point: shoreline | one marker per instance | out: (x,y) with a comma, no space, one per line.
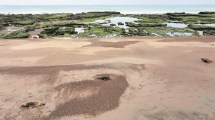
(106,24)
(110,38)
(123,13)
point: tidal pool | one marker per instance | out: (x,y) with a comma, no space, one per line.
(79,30)
(116,20)
(176,25)
(211,25)
(200,33)
(178,34)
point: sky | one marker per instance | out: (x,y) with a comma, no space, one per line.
(105,2)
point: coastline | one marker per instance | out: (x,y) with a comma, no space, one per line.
(107,62)
(106,25)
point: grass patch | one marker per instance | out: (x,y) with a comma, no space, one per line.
(58,31)
(209,32)
(201,27)
(16,34)
(151,19)
(130,24)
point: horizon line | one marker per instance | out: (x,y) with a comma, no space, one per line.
(97,4)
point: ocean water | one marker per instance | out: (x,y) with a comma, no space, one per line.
(125,9)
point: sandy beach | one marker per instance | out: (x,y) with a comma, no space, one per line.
(150,78)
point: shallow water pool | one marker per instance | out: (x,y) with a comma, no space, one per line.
(176,25)
(116,20)
(79,30)
(178,34)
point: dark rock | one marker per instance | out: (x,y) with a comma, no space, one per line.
(112,24)
(205,60)
(104,78)
(32,104)
(120,23)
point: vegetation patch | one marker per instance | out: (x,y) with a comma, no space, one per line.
(151,18)
(16,34)
(58,31)
(209,32)
(65,24)
(201,27)
(130,24)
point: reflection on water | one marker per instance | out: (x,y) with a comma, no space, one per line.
(176,25)
(79,30)
(211,25)
(177,34)
(200,33)
(116,20)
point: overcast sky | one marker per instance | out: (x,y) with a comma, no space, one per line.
(103,2)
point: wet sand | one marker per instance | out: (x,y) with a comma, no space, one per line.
(150,79)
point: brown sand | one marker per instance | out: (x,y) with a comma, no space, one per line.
(151,79)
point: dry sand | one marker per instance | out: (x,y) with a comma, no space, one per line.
(151,79)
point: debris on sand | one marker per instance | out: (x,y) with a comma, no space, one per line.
(104,78)
(32,104)
(205,60)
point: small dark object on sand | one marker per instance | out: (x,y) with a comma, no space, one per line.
(32,104)
(104,78)
(205,60)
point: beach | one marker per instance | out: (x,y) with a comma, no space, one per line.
(149,78)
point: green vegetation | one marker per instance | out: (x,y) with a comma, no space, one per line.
(58,16)
(64,24)
(27,22)
(156,31)
(201,27)
(30,28)
(16,34)
(209,32)
(58,31)
(151,18)
(136,32)
(93,16)
(87,20)
(192,18)
(61,24)
(130,24)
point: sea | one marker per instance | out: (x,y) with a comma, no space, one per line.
(124,9)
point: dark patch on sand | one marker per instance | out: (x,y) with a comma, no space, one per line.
(112,44)
(105,94)
(107,97)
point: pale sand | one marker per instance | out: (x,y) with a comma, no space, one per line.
(151,79)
